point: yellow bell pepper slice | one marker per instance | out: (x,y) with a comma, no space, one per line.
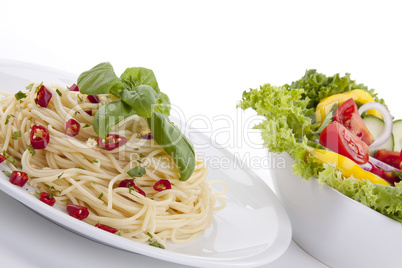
(358,95)
(346,165)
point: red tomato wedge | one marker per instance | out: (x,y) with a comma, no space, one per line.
(391,158)
(348,115)
(342,141)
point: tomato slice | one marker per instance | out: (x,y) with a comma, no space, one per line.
(348,115)
(339,139)
(390,157)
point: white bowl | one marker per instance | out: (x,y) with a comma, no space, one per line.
(334,228)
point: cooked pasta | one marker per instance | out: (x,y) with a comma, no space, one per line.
(76,170)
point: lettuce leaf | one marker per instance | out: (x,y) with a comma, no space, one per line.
(318,86)
(384,199)
(289,125)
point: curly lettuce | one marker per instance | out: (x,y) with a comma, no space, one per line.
(289,126)
(318,86)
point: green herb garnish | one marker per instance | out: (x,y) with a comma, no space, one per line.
(16,135)
(60,175)
(137,172)
(31,149)
(8,118)
(7,173)
(138,93)
(100,196)
(20,95)
(58,92)
(154,243)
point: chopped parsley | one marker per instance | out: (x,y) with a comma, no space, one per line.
(7,173)
(79,97)
(154,243)
(38,87)
(136,172)
(31,149)
(16,135)
(100,196)
(58,92)
(20,109)
(86,125)
(142,155)
(20,95)
(9,158)
(8,118)
(95,161)
(60,175)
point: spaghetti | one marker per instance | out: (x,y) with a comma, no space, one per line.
(75,170)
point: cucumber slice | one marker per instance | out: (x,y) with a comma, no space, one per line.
(376,126)
(397,132)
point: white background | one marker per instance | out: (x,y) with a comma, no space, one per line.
(204,55)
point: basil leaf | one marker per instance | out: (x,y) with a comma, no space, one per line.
(135,76)
(137,172)
(142,99)
(174,143)
(109,115)
(99,80)
(163,104)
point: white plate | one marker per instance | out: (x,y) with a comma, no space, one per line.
(252,230)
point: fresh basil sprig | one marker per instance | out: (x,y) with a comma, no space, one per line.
(138,93)
(174,143)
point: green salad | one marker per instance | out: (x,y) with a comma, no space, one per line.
(292,124)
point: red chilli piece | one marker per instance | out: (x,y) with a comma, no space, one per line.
(112,141)
(44,197)
(2,158)
(74,87)
(93,98)
(77,211)
(162,185)
(106,228)
(129,183)
(39,137)
(126,183)
(43,97)
(72,128)
(148,136)
(89,112)
(138,190)
(18,178)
